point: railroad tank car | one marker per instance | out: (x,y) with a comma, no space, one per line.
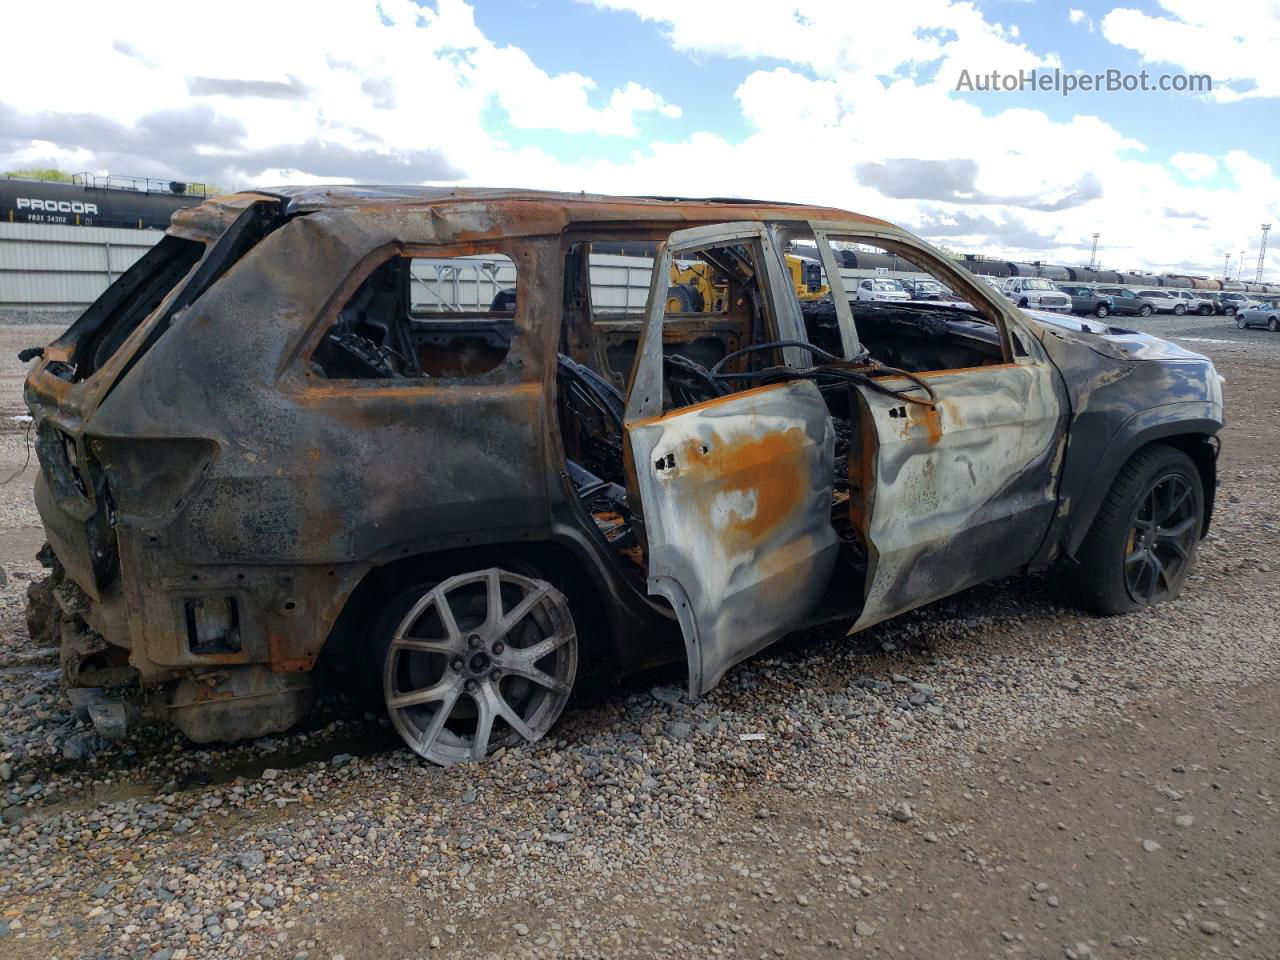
(128,202)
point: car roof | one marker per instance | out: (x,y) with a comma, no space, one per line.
(482,213)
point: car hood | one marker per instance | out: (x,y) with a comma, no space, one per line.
(1110,341)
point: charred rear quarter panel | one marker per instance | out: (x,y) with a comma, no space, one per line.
(314,479)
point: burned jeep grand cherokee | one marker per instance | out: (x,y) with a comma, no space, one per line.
(470,444)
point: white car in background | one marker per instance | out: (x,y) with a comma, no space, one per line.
(1194,301)
(1036,293)
(881,288)
(1164,301)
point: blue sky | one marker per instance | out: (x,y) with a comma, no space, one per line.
(851,103)
(565,35)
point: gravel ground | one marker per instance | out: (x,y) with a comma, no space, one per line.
(993,775)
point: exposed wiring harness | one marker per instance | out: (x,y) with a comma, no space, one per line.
(861,371)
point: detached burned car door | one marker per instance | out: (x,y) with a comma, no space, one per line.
(735,491)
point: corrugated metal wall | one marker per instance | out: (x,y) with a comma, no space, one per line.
(45,266)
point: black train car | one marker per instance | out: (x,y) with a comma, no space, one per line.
(128,202)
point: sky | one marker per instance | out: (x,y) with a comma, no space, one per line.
(858,105)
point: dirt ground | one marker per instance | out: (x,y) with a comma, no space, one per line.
(1099,789)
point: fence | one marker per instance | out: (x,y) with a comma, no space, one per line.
(52,267)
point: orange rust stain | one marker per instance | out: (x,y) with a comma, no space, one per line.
(862,470)
(769,468)
(928,417)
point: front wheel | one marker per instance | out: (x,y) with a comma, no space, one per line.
(1101,311)
(1180,309)
(1206,310)
(479,661)
(1240,322)
(1273,325)
(1230,311)
(1145,311)
(1143,540)
(1023,303)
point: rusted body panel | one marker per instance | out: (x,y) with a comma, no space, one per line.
(737,505)
(963,490)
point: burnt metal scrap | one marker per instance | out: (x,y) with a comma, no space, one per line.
(266,456)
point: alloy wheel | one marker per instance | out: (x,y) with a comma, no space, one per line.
(482,660)
(1161,539)
(1240,322)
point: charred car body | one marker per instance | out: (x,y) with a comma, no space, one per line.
(317,426)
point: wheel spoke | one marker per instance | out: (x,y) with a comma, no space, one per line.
(437,691)
(418,645)
(531,655)
(428,736)
(541,678)
(484,725)
(1158,573)
(493,597)
(1137,556)
(1176,502)
(445,613)
(504,710)
(1148,578)
(512,620)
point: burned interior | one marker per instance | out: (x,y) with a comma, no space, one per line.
(468,445)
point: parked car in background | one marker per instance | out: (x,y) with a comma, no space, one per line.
(1197,302)
(1164,301)
(1036,293)
(1232,301)
(881,288)
(1086,300)
(1127,303)
(1264,313)
(925,289)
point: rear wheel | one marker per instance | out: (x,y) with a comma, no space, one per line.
(1144,538)
(479,661)
(1180,309)
(1229,311)
(1205,310)
(1145,311)
(1101,310)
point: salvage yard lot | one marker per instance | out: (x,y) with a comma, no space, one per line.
(993,775)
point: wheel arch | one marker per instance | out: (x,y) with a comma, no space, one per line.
(1194,435)
(604,628)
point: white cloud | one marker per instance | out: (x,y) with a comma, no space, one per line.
(1080,18)
(375,89)
(1196,166)
(860,114)
(1237,42)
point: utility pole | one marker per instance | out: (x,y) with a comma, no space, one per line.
(1226,268)
(1093,257)
(1240,265)
(1262,251)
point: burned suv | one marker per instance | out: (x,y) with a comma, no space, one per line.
(464,447)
